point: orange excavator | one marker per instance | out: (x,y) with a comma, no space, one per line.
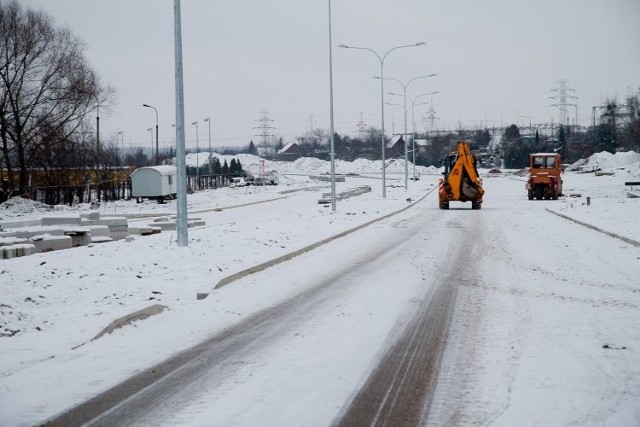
(460,181)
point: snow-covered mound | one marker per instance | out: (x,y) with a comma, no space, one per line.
(628,161)
(308,165)
(18,207)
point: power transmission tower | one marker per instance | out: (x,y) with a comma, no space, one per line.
(362,127)
(431,116)
(561,98)
(264,126)
(311,123)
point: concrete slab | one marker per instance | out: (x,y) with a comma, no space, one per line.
(80,236)
(48,243)
(58,220)
(10,241)
(29,232)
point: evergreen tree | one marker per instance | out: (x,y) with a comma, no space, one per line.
(225,168)
(252,148)
(562,135)
(217,170)
(512,132)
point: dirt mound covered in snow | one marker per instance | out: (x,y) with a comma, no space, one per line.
(18,207)
(628,161)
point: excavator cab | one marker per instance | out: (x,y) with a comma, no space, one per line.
(460,181)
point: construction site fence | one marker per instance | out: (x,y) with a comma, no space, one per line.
(106,191)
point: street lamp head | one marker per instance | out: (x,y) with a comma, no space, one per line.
(376,77)
(419,44)
(207,119)
(393,93)
(343,46)
(432,75)
(146,105)
(194,123)
(149,128)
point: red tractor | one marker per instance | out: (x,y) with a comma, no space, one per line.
(544,181)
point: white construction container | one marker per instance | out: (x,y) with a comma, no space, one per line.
(154,182)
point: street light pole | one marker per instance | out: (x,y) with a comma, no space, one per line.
(413,127)
(413,121)
(181,220)
(157,151)
(120,133)
(151,132)
(197,157)
(208,120)
(331,130)
(530,128)
(406,148)
(381,59)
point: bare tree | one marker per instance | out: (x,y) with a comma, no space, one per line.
(47,89)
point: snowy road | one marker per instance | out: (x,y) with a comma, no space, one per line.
(278,348)
(541,314)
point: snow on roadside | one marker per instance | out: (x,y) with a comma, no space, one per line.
(608,206)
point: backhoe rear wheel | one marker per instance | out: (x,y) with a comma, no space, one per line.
(444,205)
(476,205)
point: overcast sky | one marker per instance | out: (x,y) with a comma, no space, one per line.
(496,60)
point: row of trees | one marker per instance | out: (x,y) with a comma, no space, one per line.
(615,128)
(213,166)
(47,92)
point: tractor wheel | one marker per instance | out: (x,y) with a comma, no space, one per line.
(476,205)
(444,205)
(530,194)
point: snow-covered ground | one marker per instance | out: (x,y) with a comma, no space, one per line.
(530,335)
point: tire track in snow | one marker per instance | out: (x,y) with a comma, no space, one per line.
(401,386)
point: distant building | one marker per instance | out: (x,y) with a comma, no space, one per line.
(289,152)
(395,148)
(422,144)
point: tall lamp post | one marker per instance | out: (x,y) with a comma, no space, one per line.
(331,130)
(120,132)
(381,59)
(530,128)
(404,94)
(208,120)
(151,132)
(181,220)
(413,126)
(157,151)
(413,120)
(97,128)
(197,157)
